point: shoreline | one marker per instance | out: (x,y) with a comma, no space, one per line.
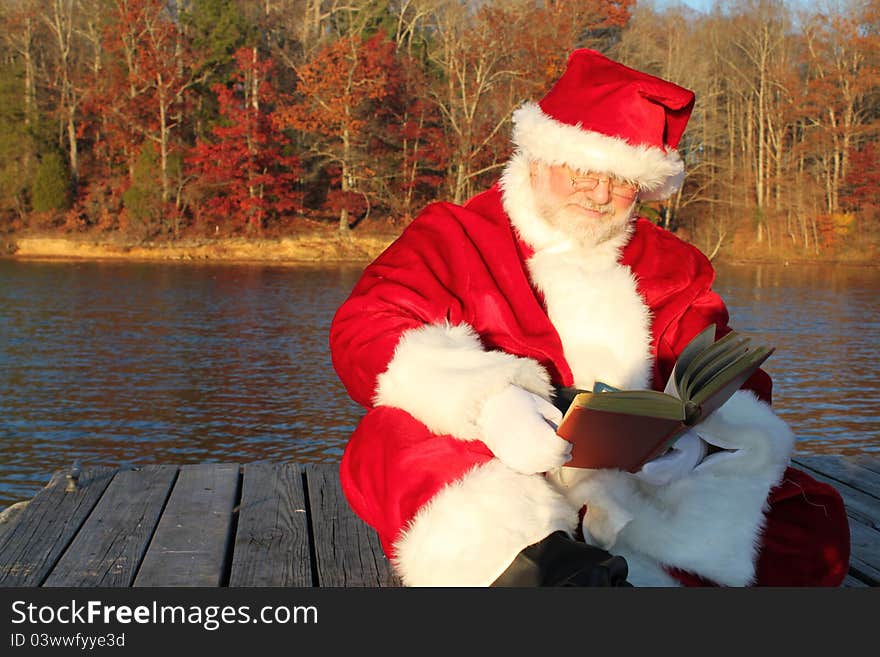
(294,250)
(799,261)
(303,249)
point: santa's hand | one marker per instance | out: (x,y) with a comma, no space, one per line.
(685,454)
(520,429)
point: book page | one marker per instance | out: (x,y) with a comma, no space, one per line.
(698,343)
(648,403)
(735,350)
(719,389)
(723,346)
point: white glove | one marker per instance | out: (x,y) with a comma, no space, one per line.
(520,429)
(685,454)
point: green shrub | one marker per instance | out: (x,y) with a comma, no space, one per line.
(51,186)
(143,199)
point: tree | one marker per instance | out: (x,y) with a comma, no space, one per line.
(487,60)
(60,16)
(20,26)
(244,170)
(417,143)
(145,90)
(863,179)
(51,188)
(216,29)
(843,82)
(338,89)
(756,38)
(17,147)
(144,208)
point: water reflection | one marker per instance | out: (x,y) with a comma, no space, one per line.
(118,364)
(824,323)
(122,364)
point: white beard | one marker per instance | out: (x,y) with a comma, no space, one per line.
(569,219)
(584,232)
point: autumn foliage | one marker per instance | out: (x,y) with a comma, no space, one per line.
(220,117)
(245,173)
(339,91)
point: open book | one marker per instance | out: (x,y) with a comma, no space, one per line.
(612,428)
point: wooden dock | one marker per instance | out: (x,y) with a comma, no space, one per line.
(264,525)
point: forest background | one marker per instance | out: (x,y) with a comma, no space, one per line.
(157,121)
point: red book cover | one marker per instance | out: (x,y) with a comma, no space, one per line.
(604,439)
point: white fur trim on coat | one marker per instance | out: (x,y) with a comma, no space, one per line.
(658,172)
(709,522)
(472,529)
(602,320)
(442,375)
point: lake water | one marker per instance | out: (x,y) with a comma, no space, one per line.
(123,364)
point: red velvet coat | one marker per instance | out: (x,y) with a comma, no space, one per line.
(465,266)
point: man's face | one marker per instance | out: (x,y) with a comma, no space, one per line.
(566,201)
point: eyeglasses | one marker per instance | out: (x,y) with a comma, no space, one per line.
(621,189)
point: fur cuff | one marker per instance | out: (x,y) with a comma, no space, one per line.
(441,375)
(470,532)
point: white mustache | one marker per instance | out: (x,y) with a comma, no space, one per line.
(587,204)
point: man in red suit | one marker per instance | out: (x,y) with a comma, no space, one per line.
(457,336)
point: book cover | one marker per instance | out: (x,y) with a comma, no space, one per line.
(611,428)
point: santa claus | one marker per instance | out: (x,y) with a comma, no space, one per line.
(457,336)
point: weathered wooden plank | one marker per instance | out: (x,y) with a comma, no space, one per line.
(272,539)
(864,551)
(45,525)
(859,505)
(864,572)
(110,544)
(868,461)
(191,542)
(846,471)
(851,582)
(9,516)
(347,551)
(275,519)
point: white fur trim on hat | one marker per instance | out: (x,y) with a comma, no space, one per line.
(658,172)
(441,375)
(472,529)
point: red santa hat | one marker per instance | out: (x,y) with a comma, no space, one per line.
(604,117)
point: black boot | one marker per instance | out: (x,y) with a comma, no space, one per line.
(562,561)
